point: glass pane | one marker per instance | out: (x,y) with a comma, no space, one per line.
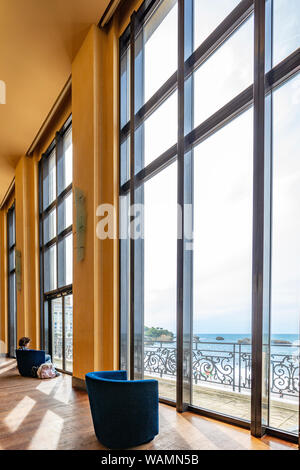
(50,281)
(57,332)
(50,226)
(125,161)
(65,261)
(157,51)
(12,315)
(65,163)
(158,133)
(65,213)
(223,179)
(68,333)
(12,260)
(286,28)
(125,88)
(208,15)
(46,327)
(49,180)
(125,279)
(11,227)
(160,258)
(285,299)
(225,74)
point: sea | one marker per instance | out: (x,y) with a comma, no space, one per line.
(289,343)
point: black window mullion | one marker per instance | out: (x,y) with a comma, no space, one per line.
(180,200)
(261,235)
(132,191)
(59,150)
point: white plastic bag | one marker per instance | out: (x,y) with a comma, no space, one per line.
(46,371)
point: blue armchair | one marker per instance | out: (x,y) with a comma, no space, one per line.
(27,358)
(124,412)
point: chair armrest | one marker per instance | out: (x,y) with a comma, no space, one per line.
(108,375)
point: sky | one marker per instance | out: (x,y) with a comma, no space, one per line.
(223,180)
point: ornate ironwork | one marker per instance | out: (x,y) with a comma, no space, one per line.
(229,367)
(160,361)
(285,374)
(57,348)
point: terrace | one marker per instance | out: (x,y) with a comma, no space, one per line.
(222,378)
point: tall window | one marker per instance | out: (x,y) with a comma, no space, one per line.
(209,289)
(56,245)
(12,288)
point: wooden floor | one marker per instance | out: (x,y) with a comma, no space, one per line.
(49,414)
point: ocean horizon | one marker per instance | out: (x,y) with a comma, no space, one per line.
(208,342)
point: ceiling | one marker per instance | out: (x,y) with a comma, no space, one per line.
(38,41)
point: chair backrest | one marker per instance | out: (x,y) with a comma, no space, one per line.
(27,358)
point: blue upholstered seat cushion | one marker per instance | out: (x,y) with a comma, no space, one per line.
(124,412)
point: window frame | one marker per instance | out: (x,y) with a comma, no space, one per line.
(11,248)
(67,289)
(266,79)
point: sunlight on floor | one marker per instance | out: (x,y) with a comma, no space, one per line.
(63,393)
(15,418)
(46,386)
(195,436)
(6,369)
(48,432)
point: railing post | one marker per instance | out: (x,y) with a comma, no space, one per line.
(240,360)
(234,367)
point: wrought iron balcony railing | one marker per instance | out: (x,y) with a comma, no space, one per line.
(227,365)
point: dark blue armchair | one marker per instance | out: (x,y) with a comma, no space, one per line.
(124,412)
(27,358)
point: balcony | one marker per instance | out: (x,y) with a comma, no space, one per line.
(222,378)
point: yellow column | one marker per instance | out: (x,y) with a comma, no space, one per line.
(95,118)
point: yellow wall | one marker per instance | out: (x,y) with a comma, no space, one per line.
(95,117)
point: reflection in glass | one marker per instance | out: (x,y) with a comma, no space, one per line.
(12,294)
(159,131)
(68,308)
(57,332)
(223,269)
(125,161)
(159,34)
(160,253)
(125,286)
(49,180)
(225,74)
(208,15)
(50,277)
(65,213)
(124,88)
(285,299)
(11,260)
(65,261)
(65,164)
(50,226)
(286,28)
(11,228)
